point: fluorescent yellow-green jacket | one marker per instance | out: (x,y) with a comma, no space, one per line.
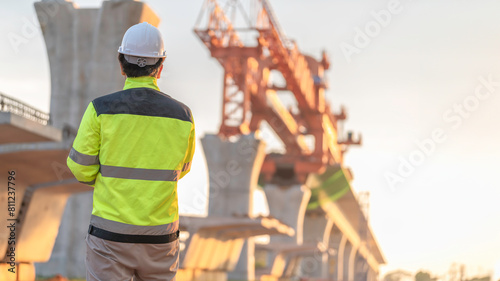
(133,146)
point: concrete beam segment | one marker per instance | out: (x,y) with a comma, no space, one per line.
(16,129)
(288,257)
(346,228)
(35,166)
(216,235)
(332,190)
(42,182)
(206,242)
(269,224)
(349,205)
(37,163)
(351,234)
(52,200)
(13,148)
(22,272)
(288,204)
(205,259)
(227,226)
(347,220)
(290,249)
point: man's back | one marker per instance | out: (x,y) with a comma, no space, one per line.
(144,139)
(133,146)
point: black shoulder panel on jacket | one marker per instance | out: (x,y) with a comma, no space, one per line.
(142,101)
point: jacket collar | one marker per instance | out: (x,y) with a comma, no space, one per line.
(141,82)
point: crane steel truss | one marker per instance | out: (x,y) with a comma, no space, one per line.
(249,97)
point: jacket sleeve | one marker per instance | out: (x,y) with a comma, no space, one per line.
(189,152)
(83,159)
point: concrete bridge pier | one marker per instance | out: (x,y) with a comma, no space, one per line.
(347,262)
(371,275)
(351,265)
(361,269)
(234,168)
(317,229)
(288,204)
(342,257)
(335,252)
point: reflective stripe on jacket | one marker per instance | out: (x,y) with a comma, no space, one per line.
(133,146)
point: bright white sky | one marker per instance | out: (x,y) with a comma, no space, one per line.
(426,59)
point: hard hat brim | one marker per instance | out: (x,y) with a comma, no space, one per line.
(135,54)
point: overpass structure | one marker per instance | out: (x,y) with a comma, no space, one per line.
(81,47)
(37,186)
(317,227)
(306,185)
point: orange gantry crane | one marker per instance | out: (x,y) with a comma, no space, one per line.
(250,96)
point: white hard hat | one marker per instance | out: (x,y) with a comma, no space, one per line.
(142,44)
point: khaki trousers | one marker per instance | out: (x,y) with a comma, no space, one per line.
(115,261)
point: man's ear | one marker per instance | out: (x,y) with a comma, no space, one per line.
(121,67)
(158,75)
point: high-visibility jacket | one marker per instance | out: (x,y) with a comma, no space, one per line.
(133,146)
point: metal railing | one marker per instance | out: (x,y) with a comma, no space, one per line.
(8,104)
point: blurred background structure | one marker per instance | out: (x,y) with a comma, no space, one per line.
(329,227)
(401,82)
(326,235)
(256,69)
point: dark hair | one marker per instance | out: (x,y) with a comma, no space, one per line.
(133,70)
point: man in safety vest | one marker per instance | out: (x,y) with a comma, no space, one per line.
(132,147)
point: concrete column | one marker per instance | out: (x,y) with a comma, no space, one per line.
(234,168)
(115,18)
(352,264)
(340,258)
(334,242)
(362,269)
(317,228)
(82,49)
(59,23)
(288,204)
(371,275)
